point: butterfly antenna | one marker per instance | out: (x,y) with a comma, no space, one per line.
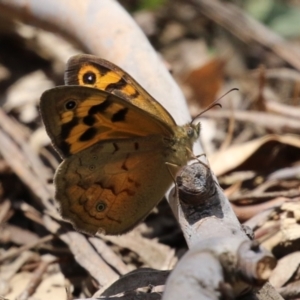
(215,103)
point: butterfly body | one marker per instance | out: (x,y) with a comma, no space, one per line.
(118,155)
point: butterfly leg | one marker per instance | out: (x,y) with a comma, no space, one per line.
(197,158)
(168,165)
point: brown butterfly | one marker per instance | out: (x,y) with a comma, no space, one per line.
(119,146)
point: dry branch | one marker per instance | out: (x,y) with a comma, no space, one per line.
(220,251)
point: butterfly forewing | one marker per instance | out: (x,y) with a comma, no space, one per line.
(78,117)
(89,70)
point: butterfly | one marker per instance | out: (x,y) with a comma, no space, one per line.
(119,146)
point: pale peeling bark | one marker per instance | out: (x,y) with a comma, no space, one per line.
(222,260)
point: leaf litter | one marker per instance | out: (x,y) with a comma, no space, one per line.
(252,144)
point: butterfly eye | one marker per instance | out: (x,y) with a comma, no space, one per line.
(70,104)
(190,132)
(89,78)
(100,206)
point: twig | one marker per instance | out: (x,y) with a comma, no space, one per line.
(108,255)
(17,252)
(11,142)
(35,281)
(273,123)
(283,109)
(246,212)
(83,252)
(15,265)
(5,207)
(266,195)
(279,73)
(17,235)
(155,254)
(229,136)
(285,173)
(260,104)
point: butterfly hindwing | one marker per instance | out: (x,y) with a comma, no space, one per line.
(77,117)
(106,187)
(89,70)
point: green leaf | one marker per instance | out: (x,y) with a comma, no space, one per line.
(259,9)
(150,4)
(287,24)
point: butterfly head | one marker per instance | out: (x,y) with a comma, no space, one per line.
(187,134)
(193,131)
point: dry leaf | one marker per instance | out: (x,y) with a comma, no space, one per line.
(206,81)
(285,269)
(234,156)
